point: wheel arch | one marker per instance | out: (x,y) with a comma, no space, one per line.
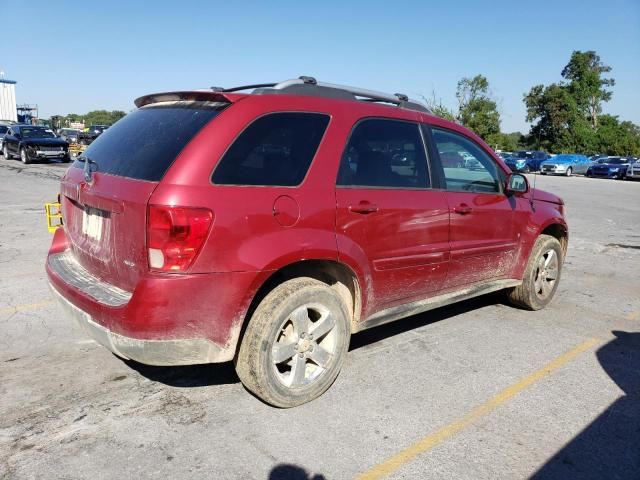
(335,274)
(560,232)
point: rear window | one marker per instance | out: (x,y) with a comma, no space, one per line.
(144,144)
(275,150)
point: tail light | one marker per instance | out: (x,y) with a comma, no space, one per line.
(175,236)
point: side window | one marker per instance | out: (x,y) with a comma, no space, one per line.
(275,150)
(467,167)
(384,153)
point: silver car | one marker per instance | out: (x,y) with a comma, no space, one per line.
(565,164)
(633,170)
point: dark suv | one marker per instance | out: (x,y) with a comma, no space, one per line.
(266,228)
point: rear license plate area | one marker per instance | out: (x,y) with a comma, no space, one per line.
(92,223)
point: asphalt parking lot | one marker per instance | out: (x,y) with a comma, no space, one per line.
(479,390)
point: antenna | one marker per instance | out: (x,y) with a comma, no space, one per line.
(533,190)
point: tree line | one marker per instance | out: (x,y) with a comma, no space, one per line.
(566,116)
(95,117)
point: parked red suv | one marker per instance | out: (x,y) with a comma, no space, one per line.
(266,228)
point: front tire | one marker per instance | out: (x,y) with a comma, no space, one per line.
(5,152)
(295,343)
(568,172)
(541,276)
(24,156)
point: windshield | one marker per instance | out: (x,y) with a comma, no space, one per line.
(35,132)
(523,155)
(562,158)
(3,129)
(617,161)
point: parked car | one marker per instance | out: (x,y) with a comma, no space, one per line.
(4,128)
(70,135)
(610,167)
(209,226)
(30,143)
(526,160)
(93,132)
(565,164)
(633,170)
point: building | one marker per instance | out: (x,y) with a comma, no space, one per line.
(8,108)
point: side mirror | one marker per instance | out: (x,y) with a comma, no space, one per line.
(517,183)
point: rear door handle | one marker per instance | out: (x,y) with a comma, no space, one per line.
(363,208)
(462,209)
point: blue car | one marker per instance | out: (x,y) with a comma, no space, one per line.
(611,167)
(565,164)
(526,160)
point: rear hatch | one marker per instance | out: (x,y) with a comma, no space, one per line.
(104,194)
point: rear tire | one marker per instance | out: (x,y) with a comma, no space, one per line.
(295,343)
(541,277)
(24,156)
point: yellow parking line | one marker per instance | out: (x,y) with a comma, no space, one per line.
(28,306)
(430,441)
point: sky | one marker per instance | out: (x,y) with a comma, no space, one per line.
(74,57)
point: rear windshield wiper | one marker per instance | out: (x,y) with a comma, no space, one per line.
(90,166)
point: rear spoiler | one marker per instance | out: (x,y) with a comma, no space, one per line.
(194,95)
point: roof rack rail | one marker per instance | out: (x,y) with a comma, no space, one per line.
(305,85)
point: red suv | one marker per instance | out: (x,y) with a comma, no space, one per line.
(266,228)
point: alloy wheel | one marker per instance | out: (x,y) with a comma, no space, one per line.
(304,346)
(546,274)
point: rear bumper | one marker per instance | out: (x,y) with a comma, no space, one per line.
(151,352)
(166,320)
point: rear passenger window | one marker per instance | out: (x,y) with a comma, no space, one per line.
(384,153)
(467,167)
(275,150)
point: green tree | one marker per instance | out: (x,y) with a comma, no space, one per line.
(568,116)
(438,108)
(505,141)
(95,117)
(617,138)
(586,85)
(476,109)
(554,110)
